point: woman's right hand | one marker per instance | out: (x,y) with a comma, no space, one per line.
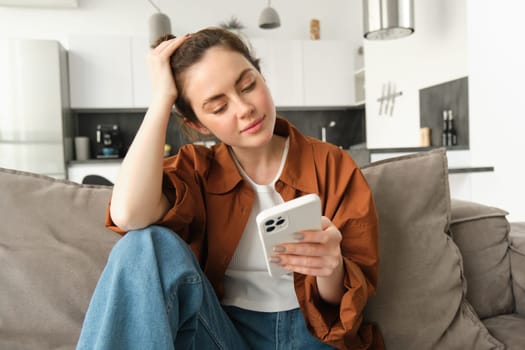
(163,84)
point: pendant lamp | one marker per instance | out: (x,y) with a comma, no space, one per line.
(159,25)
(388,19)
(269,18)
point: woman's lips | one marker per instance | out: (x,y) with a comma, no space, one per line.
(254,127)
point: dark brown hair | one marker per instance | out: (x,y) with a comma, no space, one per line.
(191,52)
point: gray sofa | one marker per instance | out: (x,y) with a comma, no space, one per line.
(452,273)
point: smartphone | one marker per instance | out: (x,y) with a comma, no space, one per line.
(278,224)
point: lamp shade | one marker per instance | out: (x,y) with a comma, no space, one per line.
(159,25)
(388,19)
(269,18)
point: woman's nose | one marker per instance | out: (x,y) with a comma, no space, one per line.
(244,108)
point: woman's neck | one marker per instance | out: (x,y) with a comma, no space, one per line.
(261,164)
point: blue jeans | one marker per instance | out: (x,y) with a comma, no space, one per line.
(153,295)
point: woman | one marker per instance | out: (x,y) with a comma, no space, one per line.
(206,287)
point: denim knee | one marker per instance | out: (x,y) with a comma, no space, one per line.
(150,289)
(154,245)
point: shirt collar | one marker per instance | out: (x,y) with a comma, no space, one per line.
(298,172)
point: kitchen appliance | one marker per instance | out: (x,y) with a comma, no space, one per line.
(388,19)
(109,141)
(35,132)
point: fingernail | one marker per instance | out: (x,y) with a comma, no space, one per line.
(298,236)
(275,259)
(279,249)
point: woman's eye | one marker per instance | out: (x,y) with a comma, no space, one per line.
(219,110)
(249,87)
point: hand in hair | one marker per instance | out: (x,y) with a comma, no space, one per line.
(161,76)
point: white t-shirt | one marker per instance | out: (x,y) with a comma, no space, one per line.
(247,283)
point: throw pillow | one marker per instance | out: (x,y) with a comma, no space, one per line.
(420,301)
(477,229)
(53,247)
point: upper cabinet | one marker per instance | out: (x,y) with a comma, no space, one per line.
(100,74)
(308,73)
(141,81)
(282,67)
(111,72)
(328,73)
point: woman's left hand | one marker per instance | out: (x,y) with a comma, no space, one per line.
(317,253)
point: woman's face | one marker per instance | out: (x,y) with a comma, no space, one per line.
(230,98)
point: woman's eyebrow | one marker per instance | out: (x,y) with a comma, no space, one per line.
(214,97)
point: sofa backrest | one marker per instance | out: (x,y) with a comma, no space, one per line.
(53,247)
(420,301)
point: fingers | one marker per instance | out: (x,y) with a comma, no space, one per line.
(168,47)
(163,85)
(309,265)
(318,253)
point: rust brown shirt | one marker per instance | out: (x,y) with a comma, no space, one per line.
(211,203)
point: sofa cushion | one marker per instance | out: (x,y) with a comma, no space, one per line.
(509,329)
(420,301)
(481,233)
(517,263)
(53,247)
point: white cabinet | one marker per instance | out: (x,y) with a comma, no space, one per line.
(359,78)
(111,72)
(100,73)
(328,73)
(282,66)
(107,169)
(140,75)
(308,73)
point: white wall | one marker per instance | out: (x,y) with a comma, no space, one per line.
(456,38)
(340,19)
(496,94)
(435,53)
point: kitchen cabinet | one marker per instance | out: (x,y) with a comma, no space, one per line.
(328,73)
(111,72)
(100,72)
(140,75)
(76,171)
(281,64)
(359,79)
(308,73)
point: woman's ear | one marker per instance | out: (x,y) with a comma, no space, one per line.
(197,126)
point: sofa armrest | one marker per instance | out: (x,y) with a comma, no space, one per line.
(517,264)
(481,234)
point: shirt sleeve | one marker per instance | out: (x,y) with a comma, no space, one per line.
(182,186)
(349,205)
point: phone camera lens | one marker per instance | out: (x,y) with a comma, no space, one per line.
(270,228)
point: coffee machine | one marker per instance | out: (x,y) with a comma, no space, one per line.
(109,141)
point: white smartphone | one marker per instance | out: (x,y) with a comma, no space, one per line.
(278,224)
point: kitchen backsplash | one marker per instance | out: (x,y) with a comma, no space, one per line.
(451,95)
(343,127)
